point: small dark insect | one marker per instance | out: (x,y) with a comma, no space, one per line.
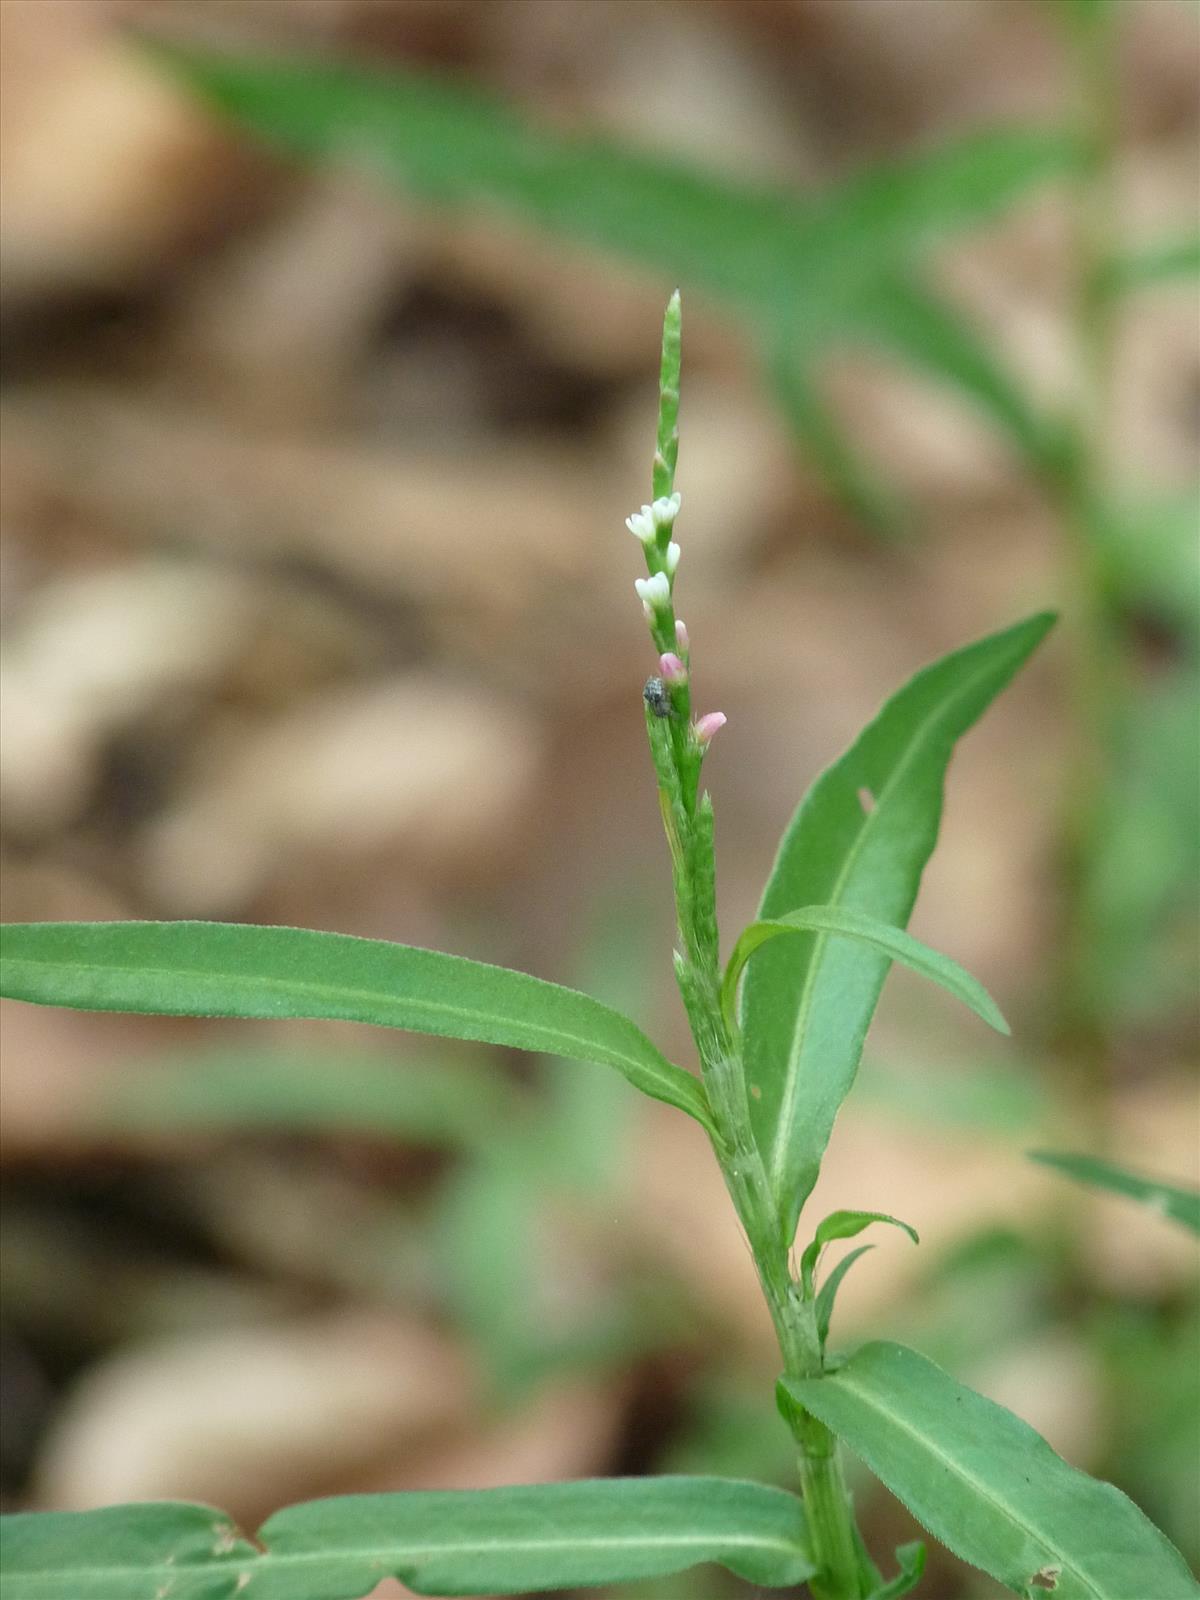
(658,697)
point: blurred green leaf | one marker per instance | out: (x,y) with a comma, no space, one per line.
(904,317)
(1143,875)
(1164,261)
(984,1296)
(989,1487)
(1181,1205)
(1153,1400)
(583,1145)
(805,271)
(494,1541)
(1149,553)
(223,969)
(984,1096)
(442,1104)
(1085,16)
(859,840)
(838,922)
(489,1241)
(851,478)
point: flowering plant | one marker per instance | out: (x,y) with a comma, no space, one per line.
(778,1028)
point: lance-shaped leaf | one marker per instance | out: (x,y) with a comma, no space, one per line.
(989,1487)
(450,1542)
(210,969)
(844,923)
(1181,1205)
(859,841)
(829,1289)
(799,268)
(201,1092)
(843,1225)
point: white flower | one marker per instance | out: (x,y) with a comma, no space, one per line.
(672,558)
(654,592)
(641,524)
(664,511)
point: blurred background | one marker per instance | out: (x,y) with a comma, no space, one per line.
(327,388)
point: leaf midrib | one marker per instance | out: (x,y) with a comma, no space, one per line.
(375,996)
(260,1560)
(787,1117)
(956,1468)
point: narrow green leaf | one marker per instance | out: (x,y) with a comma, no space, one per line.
(753,243)
(859,841)
(222,969)
(904,316)
(1181,1205)
(912,1564)
(807,270)
(844,1225)
(894,943)
(455,1542)
(829,1289)
(445,1105)
(824,440)
(989,1487)
(1165,261)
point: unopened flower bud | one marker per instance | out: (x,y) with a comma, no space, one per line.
(681,635)
(655,591)
(671,559)
(672,668)
(709,724)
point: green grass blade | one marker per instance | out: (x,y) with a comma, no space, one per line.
(1181,1205)
(222,969)
(464,1542)
(859,841)
(841,923)
(989,1487)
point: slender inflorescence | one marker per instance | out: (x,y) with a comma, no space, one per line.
(678,745)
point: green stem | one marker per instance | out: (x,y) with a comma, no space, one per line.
(1094,633)
(697,965)
(688,820)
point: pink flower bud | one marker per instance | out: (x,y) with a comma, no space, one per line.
(710,723)
(681,636)
(671,668)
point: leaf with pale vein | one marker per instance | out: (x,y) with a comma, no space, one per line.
(235,970)
(989,1487)
(859,840)
(451,1542)
(891,942)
